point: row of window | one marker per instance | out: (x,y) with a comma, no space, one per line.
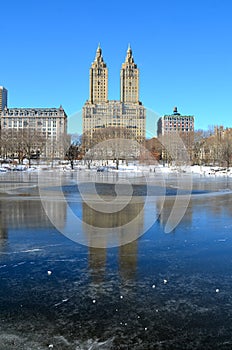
(179,129)
(179,124)
(16,113)
(26,123)
(20,125)
(180,119)
(48,131)
(49,120)
(116,117)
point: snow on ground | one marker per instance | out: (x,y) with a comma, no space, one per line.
(211,170)
(134,167)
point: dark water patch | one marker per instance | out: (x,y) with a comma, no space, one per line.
(137,190)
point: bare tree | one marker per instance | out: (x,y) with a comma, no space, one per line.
(110,143)
(32,141)
(154,147)
(227,148)
(22,143)
(198,146)
(213,147)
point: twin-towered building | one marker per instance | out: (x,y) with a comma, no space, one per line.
(123,118)
(126,115)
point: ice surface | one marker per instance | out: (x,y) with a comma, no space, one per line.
(117,298)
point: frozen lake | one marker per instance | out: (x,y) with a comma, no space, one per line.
(122,281)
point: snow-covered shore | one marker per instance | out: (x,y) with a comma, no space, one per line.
(211,171)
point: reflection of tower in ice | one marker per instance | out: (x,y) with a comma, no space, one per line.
(3,238)
(93,221)
(127,224)
(3,231)
(128,260)
(97,262)
(167,210)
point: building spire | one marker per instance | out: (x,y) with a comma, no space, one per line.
(98,53)
(129,56)
(99,48)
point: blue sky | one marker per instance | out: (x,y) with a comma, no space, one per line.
(182,47)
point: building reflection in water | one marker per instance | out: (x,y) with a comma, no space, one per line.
(127,254)
(30,214)
(127,224)
(128,260)
(168,214)
(3,239)
(97,264)
(27,214)
(3,230)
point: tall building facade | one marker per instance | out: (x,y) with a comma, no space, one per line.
(129,79)
(127,115)
(98,79)
(3,98)
(169,126)
(44,128)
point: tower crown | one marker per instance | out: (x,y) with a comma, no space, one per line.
(98,56)
(129,56)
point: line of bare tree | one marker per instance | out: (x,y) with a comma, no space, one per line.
(20,144)
(203,147)
(213,147)
(110,143)
(31,144)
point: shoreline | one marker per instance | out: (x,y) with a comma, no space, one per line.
(133,169)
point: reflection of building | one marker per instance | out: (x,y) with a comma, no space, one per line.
(97,262)
(30,213)
(94,221)
(3,231)
(170,125)
(3,98)
(45,128)
(99,113)
(172,210)
(126,224)
(128,260)
(3,238)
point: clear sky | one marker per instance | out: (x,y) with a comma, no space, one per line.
(182,47)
